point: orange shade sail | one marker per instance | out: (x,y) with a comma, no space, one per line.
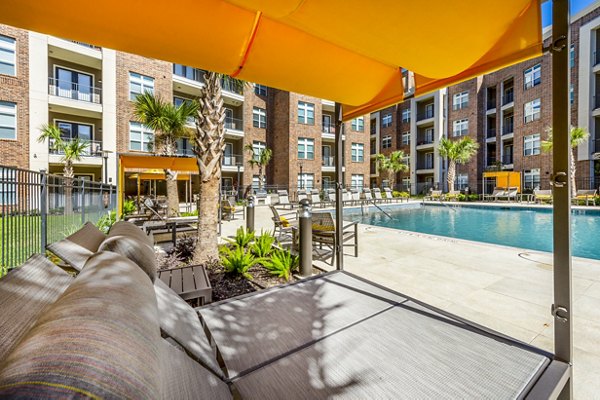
(349,51)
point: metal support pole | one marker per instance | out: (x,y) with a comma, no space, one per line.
(82,202)
(250,214)
(44,211)
(561,309)
(339,183)
(305,225)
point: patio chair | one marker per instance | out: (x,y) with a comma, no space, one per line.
(347,198)
(315,198)
(378,197)
(434,195)
(389,194)
(283,223)
(497,192)
(542,196)
(302,195)
(284,199)
(587,196)
(229,209)
(355,195)
(330,195)
(323,228)
(368,196)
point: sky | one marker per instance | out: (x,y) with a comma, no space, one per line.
(576,6)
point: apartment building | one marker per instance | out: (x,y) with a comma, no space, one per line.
(508,112)
(88,93)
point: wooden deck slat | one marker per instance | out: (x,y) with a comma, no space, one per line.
(188,280)
(176,282)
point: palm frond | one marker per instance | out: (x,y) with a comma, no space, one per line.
(152,111)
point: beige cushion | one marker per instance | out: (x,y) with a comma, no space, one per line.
(134,249)
(75,249)
(123,228)
(100,339)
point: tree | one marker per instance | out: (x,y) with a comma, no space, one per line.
(578,136)
(260,160)
(71,150)
(392,165)
(209,141)
(456,152)
(168,123)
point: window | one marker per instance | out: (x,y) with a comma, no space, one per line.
(306,149)
(462,181)
(386,142)
(72,130)
(532,110)
(406,161)
(258,148)
(531,179)
(358,181)
(386,120)
(184,71)
(358,124)
(358,152)
(184,147)
(8,60)
(571,94)
(533,76)
(8,120)
(259,117)
(460,101)
(8,190)
(139,84)
(260,90)
(306,181)
(460,127)
(306,113)
(572,56)
(531,145)
(141,138)
(177,101)
(406,138)
(406,115)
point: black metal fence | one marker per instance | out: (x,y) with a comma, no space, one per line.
(37,208)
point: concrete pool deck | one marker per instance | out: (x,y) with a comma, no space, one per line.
(504,288)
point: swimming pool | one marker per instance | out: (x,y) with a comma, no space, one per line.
(528,228)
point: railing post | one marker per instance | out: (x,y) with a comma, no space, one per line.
(44,211)
(250,214)
(305,226)
(82,201)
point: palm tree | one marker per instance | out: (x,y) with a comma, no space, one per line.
(392,165)
(578,136)
(260,159)
(456,152)
(168,123)
(209,141)
(71,150)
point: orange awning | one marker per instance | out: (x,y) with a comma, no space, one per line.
(155,164)
(349,51)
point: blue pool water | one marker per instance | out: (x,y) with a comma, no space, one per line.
(523,228)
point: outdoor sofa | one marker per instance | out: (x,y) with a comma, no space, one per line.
(115,331)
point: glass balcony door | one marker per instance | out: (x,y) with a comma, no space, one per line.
(73,84)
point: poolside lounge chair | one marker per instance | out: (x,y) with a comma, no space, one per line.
(434,195)
(355,195)
(509,194)
(542,196)
(302,195)
(284,199)
(283,223)
(587,196)
(330,195)
(378,197)
(324,233)
(347,198)
(389,194)
(315,198)
(497,192)
(368,196)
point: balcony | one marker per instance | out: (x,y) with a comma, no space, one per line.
(373,128)
(93,149)
(596,147)
(508,97)
(230,162)
(596,101)
(596,58)
(425,140)
(491,133)
(424,165)
(232,85)
(508,129)
(507,159)
(328,164)
(491,104)
(427,114)
(193,74)
(329,128)
(91,46)
(185,152)
(74,91)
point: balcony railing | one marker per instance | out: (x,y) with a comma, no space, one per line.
(91,46)
(508,97)
(232,160)
(328,161)
(425,115)
(491,132)
(425,165)
(74,91)
(373,129)
(232,85)
(596,145)
(93,148)
(508,129)
(190,73)
(234,124)
(328,128)
(427,139)
(490,162)
(507,159)
(596,101)
(185,152)
(491,104)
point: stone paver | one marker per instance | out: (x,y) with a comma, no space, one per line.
(504,288)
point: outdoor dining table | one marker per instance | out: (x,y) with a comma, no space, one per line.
(171,225)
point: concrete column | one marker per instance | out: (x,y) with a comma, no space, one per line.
(109,111)
(38,99)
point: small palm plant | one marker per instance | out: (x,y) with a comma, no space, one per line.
(238,260)
(72,150)
(281,263)
(168,123)
(242,237)
(456,152)
(578,136)
(260,160)
(392,165)
(263,244)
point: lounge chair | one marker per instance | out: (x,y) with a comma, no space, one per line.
(378,197)
(497,192)
(323,228)
(434,195)
(315,198)
(284,199)
(347,198)
(283,223)
(355,196)
(302,194)
(587,196)
(390,195)
(368,196)
(542,196)
(330,195)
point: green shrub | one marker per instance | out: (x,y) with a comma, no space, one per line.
(404,195)
(106,221)
(128,207)
(242,237)
(3,270)
(238,260)
(473,197)
(281,263)
(461,197)
(184,248)
(263,244)
(190,213)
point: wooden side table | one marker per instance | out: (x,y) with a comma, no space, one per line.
(188,282)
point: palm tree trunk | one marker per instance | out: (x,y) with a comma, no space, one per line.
(260,177)
(207,248)
(172,194)
(392,179)
(451,175)
(68,175)
(573,172)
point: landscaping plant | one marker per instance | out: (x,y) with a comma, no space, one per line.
(238,260)
(263,244)
(242,237)
(281,263)
(106,221)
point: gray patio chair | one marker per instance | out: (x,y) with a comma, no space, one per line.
(378,197)
(541,196)
(330,195)
(434,195)
(389,195)
(283,223)
(284,199)
(368,196)
(323,229)
(347,198)
(315,198)
(355,192)
(301,195)
(587,196)
(497,192)
(509,194)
